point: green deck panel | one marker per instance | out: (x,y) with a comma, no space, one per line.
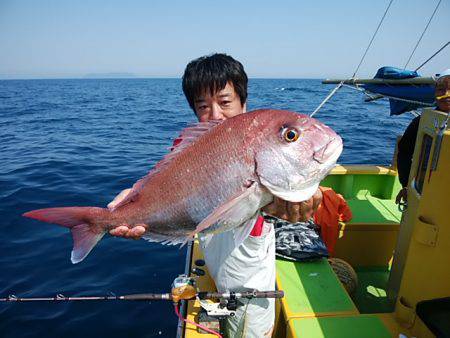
(368,209)
(312,287)
(350,185)
(370,197)
(340,327)
(370,296)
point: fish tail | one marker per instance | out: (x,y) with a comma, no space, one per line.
(87,224)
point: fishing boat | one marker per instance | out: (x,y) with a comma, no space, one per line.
(400,258)
(400,254)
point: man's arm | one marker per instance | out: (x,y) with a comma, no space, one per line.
(405,153)
(345,213)
(294,211)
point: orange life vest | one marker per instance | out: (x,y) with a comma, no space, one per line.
(332,210)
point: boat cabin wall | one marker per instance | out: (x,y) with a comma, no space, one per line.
(424,239)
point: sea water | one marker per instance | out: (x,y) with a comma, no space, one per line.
(80,142)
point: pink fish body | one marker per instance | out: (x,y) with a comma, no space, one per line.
(216,178)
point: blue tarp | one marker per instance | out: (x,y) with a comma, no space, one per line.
(421,93)
(395,73)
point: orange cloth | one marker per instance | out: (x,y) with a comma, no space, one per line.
(332,210)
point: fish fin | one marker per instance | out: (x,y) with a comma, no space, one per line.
(187,136)
(66,216)
(118,199)
(236,211)
(205,239)
(239,233)
(82,223)
(191,133)
(129,196)
(85,237)
(166,239)
(242,232)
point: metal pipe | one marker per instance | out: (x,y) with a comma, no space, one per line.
(412,81)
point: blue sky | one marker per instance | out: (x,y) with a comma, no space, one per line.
(295,39)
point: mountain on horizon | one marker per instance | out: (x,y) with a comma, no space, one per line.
(112,75)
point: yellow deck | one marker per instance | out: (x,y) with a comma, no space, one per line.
(204,283)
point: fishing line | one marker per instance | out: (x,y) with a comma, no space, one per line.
(327,98)
(177,311)
(432,56)
(359,65)
(423,33)
(373,38)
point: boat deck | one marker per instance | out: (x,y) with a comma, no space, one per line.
(370,295)
(315,303)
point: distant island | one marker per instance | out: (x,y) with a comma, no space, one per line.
(109,76)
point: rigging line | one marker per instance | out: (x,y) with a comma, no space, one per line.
(409,101)
(359,65)
(327,98)
(373,37)
(356,87)
(432,56)
(423,33)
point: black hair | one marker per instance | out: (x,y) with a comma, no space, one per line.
(211,73)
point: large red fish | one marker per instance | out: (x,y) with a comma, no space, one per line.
(216,178)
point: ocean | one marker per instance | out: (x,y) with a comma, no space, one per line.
(82,141)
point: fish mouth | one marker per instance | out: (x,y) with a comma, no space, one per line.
(294,195)
(329,153)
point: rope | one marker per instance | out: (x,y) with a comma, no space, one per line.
(423,33)
(432,56)
(373,37)
(327,98)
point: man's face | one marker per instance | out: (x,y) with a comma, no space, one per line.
(220,106)
(443,89)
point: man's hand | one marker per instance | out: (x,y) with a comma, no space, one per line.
(294,211)
(290,211)
(125,230)
(402,195)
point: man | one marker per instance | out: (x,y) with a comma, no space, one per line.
(216,89)
(442,91)
(407,142)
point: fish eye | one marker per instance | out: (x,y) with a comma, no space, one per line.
(290,134)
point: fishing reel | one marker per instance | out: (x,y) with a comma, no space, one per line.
(213,314)
(222,309)
(183,288)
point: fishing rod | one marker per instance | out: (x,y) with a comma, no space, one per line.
(149,297)
(183,288)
